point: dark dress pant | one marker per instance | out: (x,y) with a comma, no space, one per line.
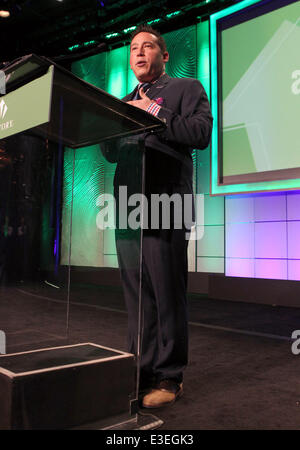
(164,336)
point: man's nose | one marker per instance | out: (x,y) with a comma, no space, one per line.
(141,51)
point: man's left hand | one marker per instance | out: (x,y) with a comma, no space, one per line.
(143,103)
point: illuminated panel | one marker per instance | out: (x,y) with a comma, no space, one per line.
(293,206)
(294,270)
(131,79)
(213,211)
(212,242)
(293,240)
(210,249)
(87,241)
(116,72)
(270,240)
(240,240)
(270,207)
(203,57)
(92,69)
(262,236)
(93,174)
(236,267)
(210,265)
(271,268)
(239,209)
(181,45)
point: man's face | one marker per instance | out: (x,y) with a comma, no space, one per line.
(146,58)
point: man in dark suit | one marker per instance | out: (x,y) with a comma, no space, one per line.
(183,105)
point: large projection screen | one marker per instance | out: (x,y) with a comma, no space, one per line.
(256,97)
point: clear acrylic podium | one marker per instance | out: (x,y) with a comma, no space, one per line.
(60,291)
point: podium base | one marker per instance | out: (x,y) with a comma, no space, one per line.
(141,422)
(65,387)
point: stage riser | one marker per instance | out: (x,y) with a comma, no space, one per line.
(63,398)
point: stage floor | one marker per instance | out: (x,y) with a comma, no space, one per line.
(242,373)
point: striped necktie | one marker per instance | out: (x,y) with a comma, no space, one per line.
(145,87)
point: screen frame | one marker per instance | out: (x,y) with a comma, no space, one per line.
(277,180)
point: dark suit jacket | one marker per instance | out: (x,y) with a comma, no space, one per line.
(169,166)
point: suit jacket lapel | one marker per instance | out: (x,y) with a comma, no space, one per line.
(155,90)
(130,96)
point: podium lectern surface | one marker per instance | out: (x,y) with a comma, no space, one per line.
(37,86)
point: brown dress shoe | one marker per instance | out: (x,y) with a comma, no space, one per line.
(165,393)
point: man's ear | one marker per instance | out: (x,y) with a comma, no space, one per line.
(165,57)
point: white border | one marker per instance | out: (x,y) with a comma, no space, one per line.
(11,374)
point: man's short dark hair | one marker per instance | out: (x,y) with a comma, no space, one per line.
(147,29)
